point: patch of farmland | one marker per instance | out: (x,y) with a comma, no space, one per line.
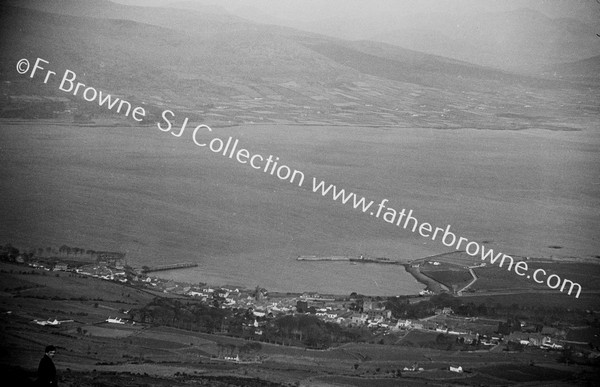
(108,332)
(69,286)
(365,382)
(525,373)
(14,284)
(532,300)
(175,336)
(492,278)
(453,279)
(148,342)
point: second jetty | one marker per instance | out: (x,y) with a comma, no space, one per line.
(175,266)
(361,258)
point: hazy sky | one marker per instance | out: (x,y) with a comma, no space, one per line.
(310,10)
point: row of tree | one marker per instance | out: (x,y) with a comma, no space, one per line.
(46,251)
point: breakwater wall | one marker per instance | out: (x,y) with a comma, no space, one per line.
(431,284)
(346,258)
(174,266)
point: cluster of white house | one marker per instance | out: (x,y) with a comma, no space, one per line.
(329,309)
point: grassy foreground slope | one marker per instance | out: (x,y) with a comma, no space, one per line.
(92,352)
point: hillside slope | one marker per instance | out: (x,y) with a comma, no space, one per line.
(237,71)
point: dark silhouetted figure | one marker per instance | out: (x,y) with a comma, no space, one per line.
(46,369)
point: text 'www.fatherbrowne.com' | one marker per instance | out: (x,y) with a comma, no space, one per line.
(203,137)
(408,222)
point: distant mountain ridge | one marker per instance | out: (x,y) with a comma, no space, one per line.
(198,22)
(239,71)
(106,46)
(521,39)
(583,71)
(589,67)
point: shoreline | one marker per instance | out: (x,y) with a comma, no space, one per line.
(429,283)
(401,282)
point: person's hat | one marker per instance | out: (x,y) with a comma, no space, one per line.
(50,348)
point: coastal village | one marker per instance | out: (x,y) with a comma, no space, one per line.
(349,311)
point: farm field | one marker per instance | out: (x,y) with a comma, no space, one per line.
(532,299)
(168,356)
(498,280)
(453,276)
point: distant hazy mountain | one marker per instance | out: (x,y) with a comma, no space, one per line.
(202,21)
(255,71)
(195,6)
(395,63)
(153,48)
(586,71)
(518,40)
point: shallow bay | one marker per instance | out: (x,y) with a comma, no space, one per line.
(162,199)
